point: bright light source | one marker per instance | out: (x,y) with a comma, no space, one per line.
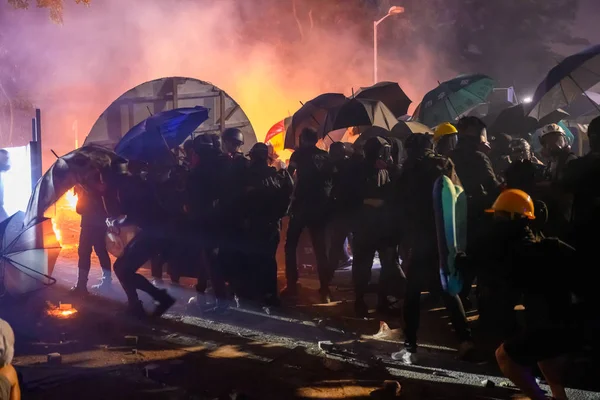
(527,100)
(396,10)
(17,180)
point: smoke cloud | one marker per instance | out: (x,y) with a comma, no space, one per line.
(267,54)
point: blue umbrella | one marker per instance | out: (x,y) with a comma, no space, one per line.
(566,82)
(453,98)
(151,140)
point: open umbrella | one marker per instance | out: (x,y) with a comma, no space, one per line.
(453,98)
(71,169)
(390,94)
(566,82)
(312,114)
(276,135)
(150,141)
(358,112)
(28,254)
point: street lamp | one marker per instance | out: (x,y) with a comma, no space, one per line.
(393,11)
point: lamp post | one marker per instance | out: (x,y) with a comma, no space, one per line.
(393,11)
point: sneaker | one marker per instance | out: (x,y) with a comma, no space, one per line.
(164,302)
(361,309)
(198,301)
(406,356)
(79,290)
(103,286)
(159,283)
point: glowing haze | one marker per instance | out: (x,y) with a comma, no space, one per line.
(74,71)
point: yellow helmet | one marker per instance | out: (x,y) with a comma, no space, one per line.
(514,201)
(442,130)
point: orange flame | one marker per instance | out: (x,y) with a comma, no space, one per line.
(56,231)
(71,198)
(64,311)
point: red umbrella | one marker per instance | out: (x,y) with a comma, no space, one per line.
(276,135)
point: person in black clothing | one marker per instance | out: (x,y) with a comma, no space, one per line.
(558,295)
(340,225)
(91,207)
(265,201)
(500,154)
(205,185)
(313,181)
(415,202)
(373,229)
(477,176)
(557,151)
(581,179)
(231,255)
(139,206)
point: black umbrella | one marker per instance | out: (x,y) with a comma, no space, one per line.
(65,173)
(312,114)
(28,254)
(390,94)
(358,112)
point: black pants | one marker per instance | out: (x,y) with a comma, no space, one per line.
(338,230)
(364,245)
(92,238)
(260,270)
(423,271)
(142,248)
(316,227)
(211,266)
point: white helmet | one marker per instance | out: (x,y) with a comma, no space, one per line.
(552,128)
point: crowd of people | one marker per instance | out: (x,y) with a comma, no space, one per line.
(218,216)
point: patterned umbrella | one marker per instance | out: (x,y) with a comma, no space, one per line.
(28,254)
(453,98)
(566,82)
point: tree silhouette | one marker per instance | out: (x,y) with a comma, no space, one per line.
(54,6)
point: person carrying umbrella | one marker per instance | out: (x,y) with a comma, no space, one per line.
(139,206)
(374,229)
(313,182)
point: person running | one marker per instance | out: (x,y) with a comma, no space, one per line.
(139,206)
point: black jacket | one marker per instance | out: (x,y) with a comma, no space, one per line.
(475,171)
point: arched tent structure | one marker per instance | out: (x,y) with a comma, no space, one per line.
(164,94)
